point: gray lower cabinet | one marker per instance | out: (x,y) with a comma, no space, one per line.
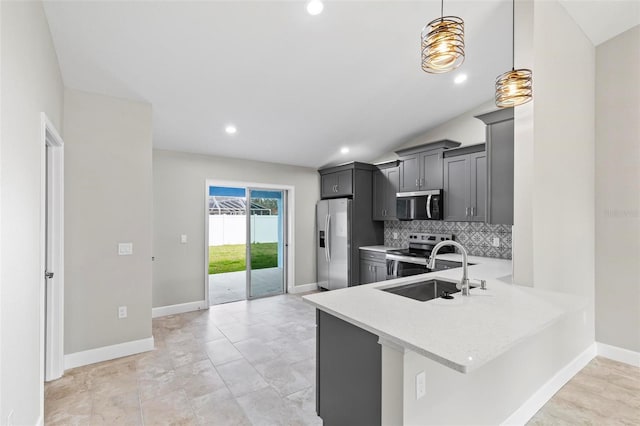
(348,373)
(386,183)
(373,267)
(465,185)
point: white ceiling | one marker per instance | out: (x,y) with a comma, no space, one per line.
(603,19)
(298,87)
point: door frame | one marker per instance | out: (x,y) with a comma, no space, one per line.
(51,211)
(289,234)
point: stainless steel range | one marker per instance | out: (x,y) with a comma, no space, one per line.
(413,260)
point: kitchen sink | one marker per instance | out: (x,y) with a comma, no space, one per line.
(424,290)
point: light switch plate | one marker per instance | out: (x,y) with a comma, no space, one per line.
(421,384)
(495,242)
(183,238)
(125,249)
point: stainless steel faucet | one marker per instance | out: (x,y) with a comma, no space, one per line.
(431,264)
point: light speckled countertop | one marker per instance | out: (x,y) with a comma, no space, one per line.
(463,333)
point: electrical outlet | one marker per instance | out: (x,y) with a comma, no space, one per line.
(125,249)
(495,242)
(183,238)
(122,312)
(421,385)
(395,235)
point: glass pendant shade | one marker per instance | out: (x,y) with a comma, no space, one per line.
(442,45)
(514,88)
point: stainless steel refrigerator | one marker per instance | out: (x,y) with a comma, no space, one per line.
(333,243)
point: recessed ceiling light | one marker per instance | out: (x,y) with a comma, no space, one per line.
(460,78)
(230,129)
(344,150)
(315,7)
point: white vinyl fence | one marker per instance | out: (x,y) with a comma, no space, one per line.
(232,229)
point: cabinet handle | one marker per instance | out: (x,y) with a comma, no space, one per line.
(417,184)
(420,183)
(472,209)
(466,211)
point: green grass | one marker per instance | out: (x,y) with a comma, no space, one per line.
(232,258)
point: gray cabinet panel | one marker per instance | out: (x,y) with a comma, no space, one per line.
(500,140)
(348,372)
(465,187)
(410,173)
(345,183)
(456,189)
(478,187)
(385,187)
(431,162)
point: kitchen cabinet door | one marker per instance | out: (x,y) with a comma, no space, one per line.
(456,189)
(465,188)
(431,170)
(338,184)
(478,187)
(393,187)
(410,173)
(367,272)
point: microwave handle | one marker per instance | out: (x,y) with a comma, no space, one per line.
(429,206)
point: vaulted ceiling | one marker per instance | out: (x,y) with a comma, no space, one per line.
(297,87)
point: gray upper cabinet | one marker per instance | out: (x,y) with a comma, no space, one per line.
(421,166)
(465,184)
(386,183)
(337,184)
(500,138)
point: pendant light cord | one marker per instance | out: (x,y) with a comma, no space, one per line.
(441,8)
(513,35)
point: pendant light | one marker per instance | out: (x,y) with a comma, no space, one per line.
(514,87)
(442,43)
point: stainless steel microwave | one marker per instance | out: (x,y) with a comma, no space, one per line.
(419,205)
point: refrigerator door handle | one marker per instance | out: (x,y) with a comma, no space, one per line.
(429,206)
(329,238)
(326,238)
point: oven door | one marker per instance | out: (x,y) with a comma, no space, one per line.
(397,267)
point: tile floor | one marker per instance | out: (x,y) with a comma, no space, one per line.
(242,363)
(253,363)
(605,392)
(232,286)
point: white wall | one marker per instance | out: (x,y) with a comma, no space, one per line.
(464,128)
(179,181)
(108,190)
(31,83)
(557,133)
(618,191)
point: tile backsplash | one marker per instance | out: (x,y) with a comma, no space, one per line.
(476,237)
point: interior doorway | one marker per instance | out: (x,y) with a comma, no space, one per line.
(247,241)
(52,256)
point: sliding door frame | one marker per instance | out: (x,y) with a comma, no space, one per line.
(284,236)
(289,237)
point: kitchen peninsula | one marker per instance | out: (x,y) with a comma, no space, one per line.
(388,359)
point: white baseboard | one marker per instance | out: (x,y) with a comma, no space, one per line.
(527,410)
(40,421)
(106,353)
(303,288)
(619,354)
(180,308)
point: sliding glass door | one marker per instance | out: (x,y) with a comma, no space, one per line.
(266,248)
